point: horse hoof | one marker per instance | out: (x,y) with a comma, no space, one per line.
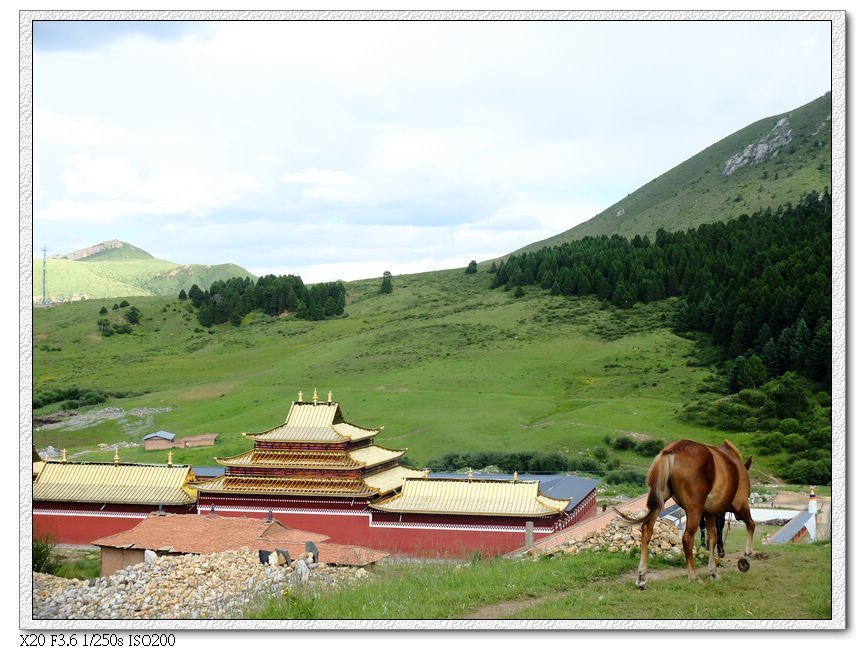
(743,565)
(641,583)
(721,554)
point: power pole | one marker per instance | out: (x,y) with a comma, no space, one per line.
(44,276)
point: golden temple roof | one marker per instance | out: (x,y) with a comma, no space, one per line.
(338,459)
(493,498)
(391,479)
(314,422)
(372,485)
(114,483)
(306,486)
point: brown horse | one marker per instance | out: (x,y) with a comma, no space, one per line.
(704,481)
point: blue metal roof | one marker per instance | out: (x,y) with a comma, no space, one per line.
(160,434)
(202,471)
(557,486)
(793,528)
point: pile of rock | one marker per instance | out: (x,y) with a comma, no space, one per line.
(220,585)
(619,536)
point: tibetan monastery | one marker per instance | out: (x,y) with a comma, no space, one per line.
(318,472)
(74,503)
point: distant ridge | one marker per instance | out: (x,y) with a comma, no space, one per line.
(771,162)
(118,269)
(107,250)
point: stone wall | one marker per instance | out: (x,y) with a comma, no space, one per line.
(619,536)
(219,585)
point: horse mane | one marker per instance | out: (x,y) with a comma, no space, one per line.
(731,447)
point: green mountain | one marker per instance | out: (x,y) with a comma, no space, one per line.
(115,268)
(771,162)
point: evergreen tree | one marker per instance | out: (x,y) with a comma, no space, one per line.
(386,283)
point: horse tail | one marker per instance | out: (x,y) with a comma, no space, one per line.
(658,480)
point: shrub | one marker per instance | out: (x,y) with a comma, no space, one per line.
(804,472)
(649,447)
(624,442)
(788,426)
(589,465)
(771,443)
(625,477)
(796,442)
(45,557)
(752,397)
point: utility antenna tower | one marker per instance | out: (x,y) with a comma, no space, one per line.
(44,276)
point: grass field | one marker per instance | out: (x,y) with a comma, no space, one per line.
(442,363)
(788,581)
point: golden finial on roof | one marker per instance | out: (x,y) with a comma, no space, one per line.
(300,396)
(315,396)
(516,478)
(426,472)
(470,474)
(169,458)
(116,456)
(64,456)
(329,396)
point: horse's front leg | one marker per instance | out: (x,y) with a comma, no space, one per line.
(719,522)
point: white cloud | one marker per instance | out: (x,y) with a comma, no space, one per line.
(82,132)
(313,176)
(102,189)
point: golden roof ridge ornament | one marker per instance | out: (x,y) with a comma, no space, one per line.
(63,459)
(116,456)
(330,397)
(470,475)
(169,458)
(516,478)
(300,396)
(315,396)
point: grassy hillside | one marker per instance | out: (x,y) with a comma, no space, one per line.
(126,271)
(698,191)
(442,363)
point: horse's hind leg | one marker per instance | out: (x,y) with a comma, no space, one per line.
(645,536)
(712,532)
(692,521)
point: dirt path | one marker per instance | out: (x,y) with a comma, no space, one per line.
(508,608)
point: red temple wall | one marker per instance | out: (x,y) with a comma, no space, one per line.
(68,523)
(351,522)
(345,521)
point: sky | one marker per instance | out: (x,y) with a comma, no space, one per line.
(337,150)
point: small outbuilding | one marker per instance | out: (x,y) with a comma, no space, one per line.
(170,534)
(167,440)
(159,440)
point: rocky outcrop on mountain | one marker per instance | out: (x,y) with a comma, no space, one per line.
(780,136)
(93,250)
